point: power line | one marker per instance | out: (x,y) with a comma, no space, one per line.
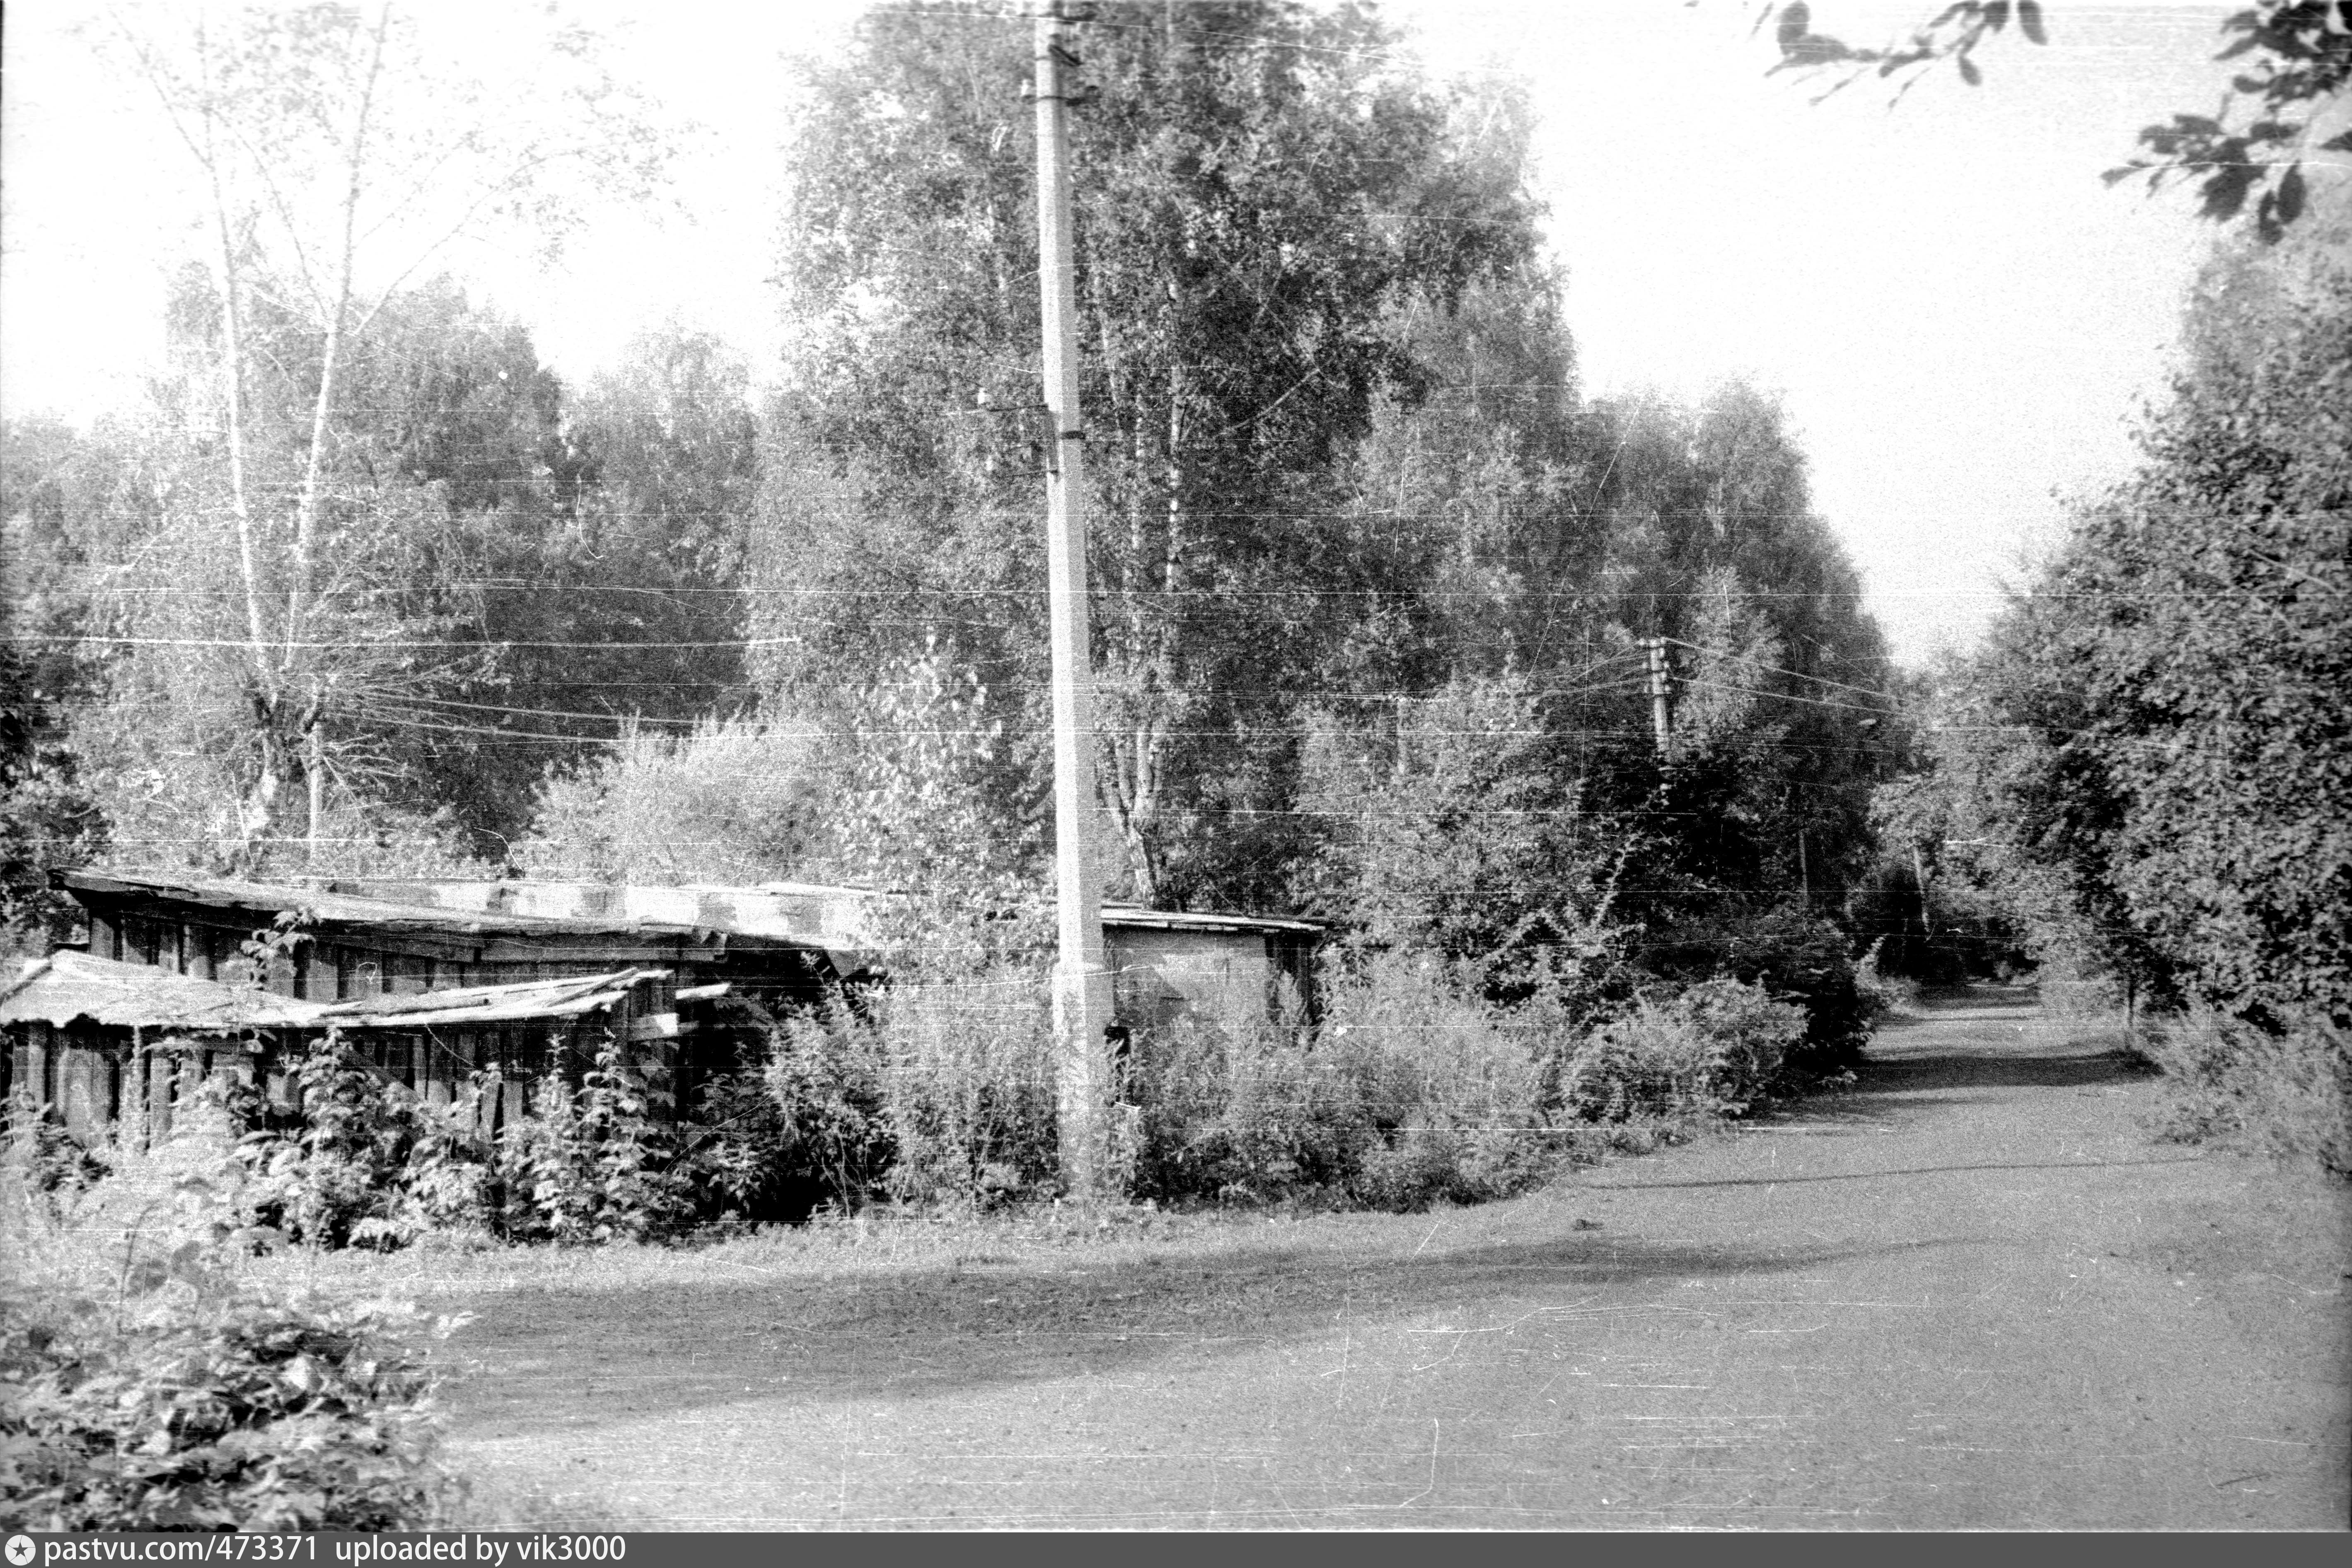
(1791,696)
(1776,669)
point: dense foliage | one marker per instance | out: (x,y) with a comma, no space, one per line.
(1347,490)
(2143,783)
(148,1383)
(2160,719)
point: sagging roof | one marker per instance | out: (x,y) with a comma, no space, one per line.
(831,916)
(471,1006)
(807,916)
(68,986)
(1117,916)
(452,908)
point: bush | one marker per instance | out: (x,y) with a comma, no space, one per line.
(45,1157)
(931,1094)
(1409,1092)
(735,801)
(332,1172)
(1709,1051)
(739,1157)
(1240,1109)
(595,1164)
(1791,954)
(145,1386)
(968,1087)
(2286,1092)
(364,1162)
(1883,993)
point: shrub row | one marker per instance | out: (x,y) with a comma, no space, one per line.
(1409,1088)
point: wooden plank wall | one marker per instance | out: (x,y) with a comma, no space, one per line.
(342,965)
(110,1083)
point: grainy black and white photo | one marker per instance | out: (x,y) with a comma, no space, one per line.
(1172,766)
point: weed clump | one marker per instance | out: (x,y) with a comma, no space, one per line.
(931,1094)
(146,1383)
(1406,1092)
(362,1160)
(2285,1091)
(1707,1051)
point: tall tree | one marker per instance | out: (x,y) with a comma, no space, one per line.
(2165,707)
(671,443)
(1709,541)
(1265,190)
(335,154)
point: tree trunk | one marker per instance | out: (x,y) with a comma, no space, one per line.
(306,515)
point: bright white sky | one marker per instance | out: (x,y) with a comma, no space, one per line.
(1961,318)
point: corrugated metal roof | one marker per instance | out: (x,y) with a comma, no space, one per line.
(68,986)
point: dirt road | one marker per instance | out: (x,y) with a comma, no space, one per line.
(1971,1293)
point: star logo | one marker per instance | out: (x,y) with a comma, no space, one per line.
(20,1549)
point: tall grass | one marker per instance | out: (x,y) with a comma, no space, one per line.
(1409,1088)
(1712,1050)
(2285,1092)
(931,1094)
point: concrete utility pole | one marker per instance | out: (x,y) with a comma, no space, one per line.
(1661,718)
(1082,987)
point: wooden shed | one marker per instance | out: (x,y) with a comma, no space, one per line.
(166,952)
(1169,963)
(1165,962)
(116,1048)
(362,943)
(445,979)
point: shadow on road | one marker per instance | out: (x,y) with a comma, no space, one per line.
(1888,1072)
(577,1363)
(1908,1170)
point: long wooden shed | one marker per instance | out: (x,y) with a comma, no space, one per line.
(174,974)
(117,1048)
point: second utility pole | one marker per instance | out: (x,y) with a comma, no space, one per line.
(1661,713)
(1082,988)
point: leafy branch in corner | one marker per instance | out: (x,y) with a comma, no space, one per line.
(2251,150)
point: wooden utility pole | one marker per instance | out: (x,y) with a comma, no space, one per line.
(315,766)
(1920,877)
(1082,988)
(1661,717)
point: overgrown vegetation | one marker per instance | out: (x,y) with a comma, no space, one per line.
(1371,590)
(1409,1086)
(2283,1092)
(2146,777)
(364,1160)
(147,1382)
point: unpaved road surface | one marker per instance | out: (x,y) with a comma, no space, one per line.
(1973,1292)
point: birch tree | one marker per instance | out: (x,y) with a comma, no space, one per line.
(1262,192)
(336,153)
